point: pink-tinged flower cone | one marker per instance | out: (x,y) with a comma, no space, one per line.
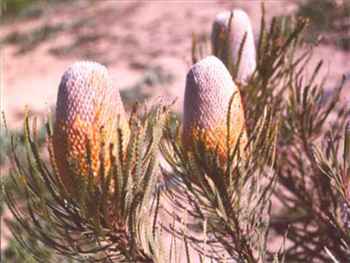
(88,110)
(209,88)
(226,42)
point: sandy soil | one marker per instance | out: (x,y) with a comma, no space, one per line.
(127,36)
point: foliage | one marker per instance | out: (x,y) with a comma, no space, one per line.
(333,161)
(153,76)
(307,198)
(13,251)
(330,19)
(5,142)
(29,41)
(25,9)
(219,211)
(13,7)
(80,225)
(230,204)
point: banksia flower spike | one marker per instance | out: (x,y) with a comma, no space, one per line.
(209,89)
(230,31)
(89,111)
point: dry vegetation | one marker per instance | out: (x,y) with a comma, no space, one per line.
(163,200)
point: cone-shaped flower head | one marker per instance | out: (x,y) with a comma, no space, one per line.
(88,110)
(209,88)
(227,40)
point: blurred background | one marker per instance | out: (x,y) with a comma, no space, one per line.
(146,46)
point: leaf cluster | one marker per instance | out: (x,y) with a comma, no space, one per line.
(282,184)
(103,221)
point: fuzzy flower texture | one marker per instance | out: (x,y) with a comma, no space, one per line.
(87,112)
(227,40)
(209,88)
(89,108)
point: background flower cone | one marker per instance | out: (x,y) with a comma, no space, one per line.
(226,42)
(89,109)
(209,88)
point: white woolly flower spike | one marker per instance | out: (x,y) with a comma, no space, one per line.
(88,110)
(227,41)
(209,88)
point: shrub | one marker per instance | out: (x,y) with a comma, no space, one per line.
(170,196)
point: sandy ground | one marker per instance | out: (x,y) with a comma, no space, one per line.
(128,37)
